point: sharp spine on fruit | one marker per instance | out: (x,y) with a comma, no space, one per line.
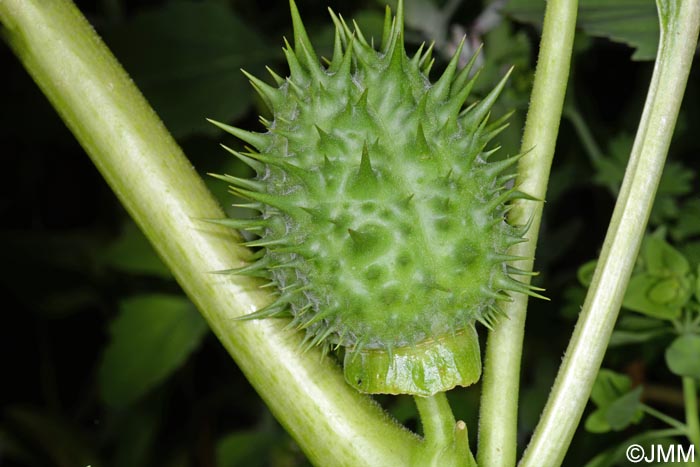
(246,159)
(462,77)
(296,70)
(302,44)
(268,243)
(454,105)
(482,108)
(278,79)
(256,269)
(271,96)
(387,29)
(240,224)
(365,174)
(441,89)
(258,140)
(246,183)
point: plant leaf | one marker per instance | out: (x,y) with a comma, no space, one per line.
(249,448)
(623,337)
(585,272)
(151,337)
(688,223)
(609,386)
(661,259)
(682,356)
(596,422)
(625,410)
(132,253)
(632,22)
(618,404)
(186,58)
(649,295)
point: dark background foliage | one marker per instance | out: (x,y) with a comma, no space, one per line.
(105,362)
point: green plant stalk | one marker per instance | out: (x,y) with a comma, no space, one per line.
(437,419)
(589,143)
(334,424)
(664,418)
(690,395)
(679,32)
(446,441)
(585,135)
(499,401)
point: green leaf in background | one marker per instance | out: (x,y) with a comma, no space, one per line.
(661,259)
(609,386)
(688,224)
(186,58)
(632,22)
(151,337)
(610,170)
(653,296)
(683,356)
(132,253)
(624,337)
(635,329)
(249,448)
(677,179)
(585,272)
(640,323)
(625,410)
(618,404)
(666,285)
(596,423)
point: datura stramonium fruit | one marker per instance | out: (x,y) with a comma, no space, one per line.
(381,218)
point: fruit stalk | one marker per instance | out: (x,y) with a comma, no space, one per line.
(446,441)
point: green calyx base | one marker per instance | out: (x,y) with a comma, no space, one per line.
(424,369)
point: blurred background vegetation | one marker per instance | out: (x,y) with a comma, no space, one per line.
(106,363)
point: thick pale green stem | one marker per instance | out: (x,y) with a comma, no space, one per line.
(499,402)
(679,33)
(334,424)
(692,420)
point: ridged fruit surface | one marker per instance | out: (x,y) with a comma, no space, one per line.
(380,216)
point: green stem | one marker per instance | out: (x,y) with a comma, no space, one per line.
(589,143)
(692,419)
(664,418)
(585,135)
(437,419)
(446,441)
(499,402)
(333,424)
(679,32)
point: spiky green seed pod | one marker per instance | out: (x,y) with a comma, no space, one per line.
(381,220)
